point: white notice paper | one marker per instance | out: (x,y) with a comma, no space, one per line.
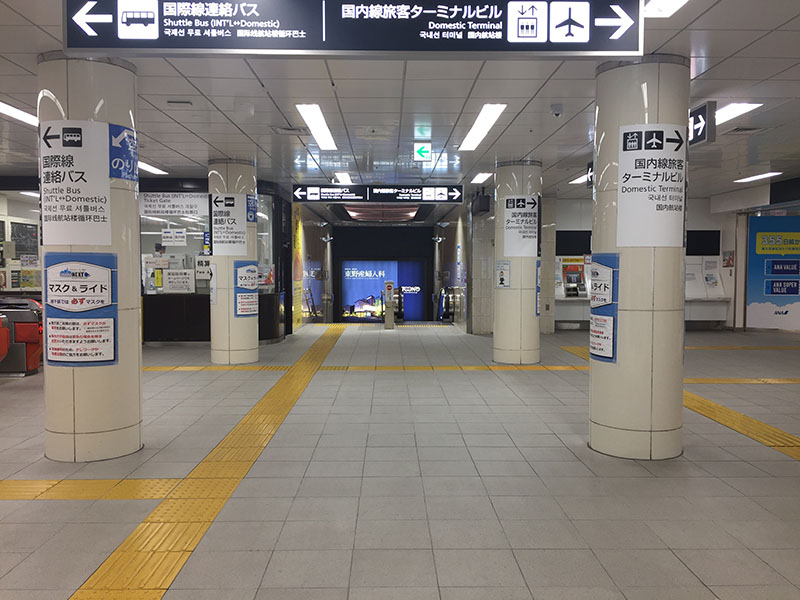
(502,269)
(602,278)
(173,237)
(178,281)
(652,185)
(601,336)
(80,340)
(75,184)
(168,204)
(521,226)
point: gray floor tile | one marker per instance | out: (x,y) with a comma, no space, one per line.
(477,568)
(645,568)
(393,568)
(725,567)
(562,568)
(392,534)
(308,569)
(317,535)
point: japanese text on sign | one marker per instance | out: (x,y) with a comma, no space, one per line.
(521,226)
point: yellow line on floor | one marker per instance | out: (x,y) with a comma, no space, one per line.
(743,380)
(86,489)
(583,351)
(149,560)
(753,428)
(218,368)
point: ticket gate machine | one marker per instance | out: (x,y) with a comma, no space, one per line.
(22,320)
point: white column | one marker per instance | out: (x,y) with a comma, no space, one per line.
(636,397)
(547,280)
(94,412)
(234,340)
(516,325)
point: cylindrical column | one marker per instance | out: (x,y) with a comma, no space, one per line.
(636,332)
(518,192)
(547,279)
(234,319)
(90,217)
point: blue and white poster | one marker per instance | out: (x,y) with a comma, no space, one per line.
(123,153)
(773,273)
(362,283)
(80,314)
(604,302)
(245,288)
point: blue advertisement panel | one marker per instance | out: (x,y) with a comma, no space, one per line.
(80,318)
(245,288)
(604,302)
(123,153)
(313,286)
(362,283)
(773,273)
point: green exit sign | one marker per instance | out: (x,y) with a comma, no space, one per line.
(422,151)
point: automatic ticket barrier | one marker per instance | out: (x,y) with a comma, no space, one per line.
(21,326)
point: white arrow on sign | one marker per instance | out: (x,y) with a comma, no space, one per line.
(622,22)
(83,18)
(455,194)
(299,193)
(116,141)
(699,125)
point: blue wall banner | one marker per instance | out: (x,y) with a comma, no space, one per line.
(123,153)
(538,285)
(80,298)
(362,283)
(604,302)
(245,288)
(773,273)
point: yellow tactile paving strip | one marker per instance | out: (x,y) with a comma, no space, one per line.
(87,489)
(583,351)
(752,428)
(147,562)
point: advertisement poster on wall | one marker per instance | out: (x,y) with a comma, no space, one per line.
(245,288)
(362,283)
(604,302)
(297,266)
(773,273)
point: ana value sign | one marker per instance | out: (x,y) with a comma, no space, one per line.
(588,27)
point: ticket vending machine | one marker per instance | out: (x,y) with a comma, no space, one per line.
(574,278)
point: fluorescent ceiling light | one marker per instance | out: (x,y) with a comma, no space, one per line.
(19,115)
(31,194)
(315,120)
(154,219)
(731,111)
(189,219)
(757,177)
(263,216)
(662,9)
(581,179)
(486,118)
(151,169)
(481,177)
(343,178)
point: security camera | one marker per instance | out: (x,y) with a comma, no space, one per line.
(557,110)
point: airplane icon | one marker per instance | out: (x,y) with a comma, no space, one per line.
(569,23)
(656,141)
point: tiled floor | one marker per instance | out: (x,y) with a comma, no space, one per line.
(417,485)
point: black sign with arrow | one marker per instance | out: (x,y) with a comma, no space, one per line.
(354,194)
(703,124)
(588,27)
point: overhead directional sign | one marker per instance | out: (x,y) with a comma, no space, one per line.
(703,124)
(378,193)
(587,27)
(422,151)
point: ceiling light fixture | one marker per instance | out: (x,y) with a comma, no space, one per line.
(662,9)
(579,180)
(151,169)
(315,120)
(263,216)
(486,118)
(481,177)
(343,179)
(31,194)
(757,177)
(736,109)
(19,115)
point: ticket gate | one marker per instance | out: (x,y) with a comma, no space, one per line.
(22,319)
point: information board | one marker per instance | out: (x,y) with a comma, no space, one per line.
(228,224)
(177,281)
(354,194)
(604,303)
(588,27)
(521,226)
(26,239)
(652,185)
(170,204)
(245,288)
(173,237)
(502,274)
(80,315)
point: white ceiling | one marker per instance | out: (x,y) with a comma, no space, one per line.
(741,51)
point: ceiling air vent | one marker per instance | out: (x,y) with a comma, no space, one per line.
(179,102)
(303,131)
(744,130)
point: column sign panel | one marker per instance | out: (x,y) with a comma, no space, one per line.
(77,160)
(588,27)
(245,288)
(80,298)
(652,185)
(521,226)
(228,224)
(604,303)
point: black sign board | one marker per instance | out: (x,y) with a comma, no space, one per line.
(379,193)
(590,174)
(703,124)
(588,27)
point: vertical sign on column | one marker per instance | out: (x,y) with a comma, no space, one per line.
(228,224)
(80,297)
(521,226)
(652,185)
(604,302)
(75,184)
(538,286)
(245,288)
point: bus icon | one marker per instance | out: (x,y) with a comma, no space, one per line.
(137,19)
(71,137)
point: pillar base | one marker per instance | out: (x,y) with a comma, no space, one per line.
(642,445)
(515,357)
(234,357)
(88,447)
